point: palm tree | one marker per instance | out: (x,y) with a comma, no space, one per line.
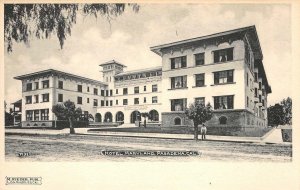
(68,111)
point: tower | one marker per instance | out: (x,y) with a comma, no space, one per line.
(109,70)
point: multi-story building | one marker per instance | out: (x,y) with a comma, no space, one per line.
(41,90)
(223,69)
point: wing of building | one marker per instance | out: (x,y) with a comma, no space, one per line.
(224,69)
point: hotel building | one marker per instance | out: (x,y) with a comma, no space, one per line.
(224,69)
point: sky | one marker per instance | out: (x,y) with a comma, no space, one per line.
(128,39)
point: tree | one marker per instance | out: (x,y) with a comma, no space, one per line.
(199,113)
(145,115)
(280,113)
(24,21)
(275,114)
(287,110)
(68,111)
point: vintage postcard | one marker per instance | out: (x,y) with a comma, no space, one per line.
(135,92)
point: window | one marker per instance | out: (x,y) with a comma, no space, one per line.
(259,85)
(255,77)
(125,102)
(28,99)
(28,86)
(36,115)
(95,102)
(102,92)
(177,121)
(111,103)
(223,77)
(111,92)
(45,83)
(200,100)
(36,98)
(60,98)
(145,100)
(223,120)
(36,85)
(117,91)
(178,104)
(259,98)
(247,101)
(154,99)
(223,55)
(178,82)
(88,89)
(154,88)
(255,92)
(102,102)
(136,101)
(79,100)
(199,80)
(117,102)
(199,59)
(60,84)
(223,102)
(136,90)
(45,114)
(45,97)
(106,103)
(79,88)
(125,91)
(95,91)
(145,88)
(88,100)
(29,115)
(106,93)
(178,62)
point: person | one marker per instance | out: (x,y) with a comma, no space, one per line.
(203,131)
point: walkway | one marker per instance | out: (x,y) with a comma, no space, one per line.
(273,136)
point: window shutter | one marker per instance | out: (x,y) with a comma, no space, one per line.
(216,56)
(230,54)
(183,61)
(172,63)
(216,78)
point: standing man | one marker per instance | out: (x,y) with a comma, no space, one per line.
(203,131)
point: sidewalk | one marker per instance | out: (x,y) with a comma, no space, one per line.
(272,137)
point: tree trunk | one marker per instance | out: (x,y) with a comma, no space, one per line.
(195,131)
(145,122)
(72,130)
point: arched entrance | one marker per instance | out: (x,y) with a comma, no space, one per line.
(177,121)
(108,117)
(135,115)
(153,115)
(119,116)
(98,117)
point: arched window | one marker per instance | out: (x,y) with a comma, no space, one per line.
(108,117)
(119,116)
(223,120)
(98,117)
(177,121)
(135,116)
(153,115)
